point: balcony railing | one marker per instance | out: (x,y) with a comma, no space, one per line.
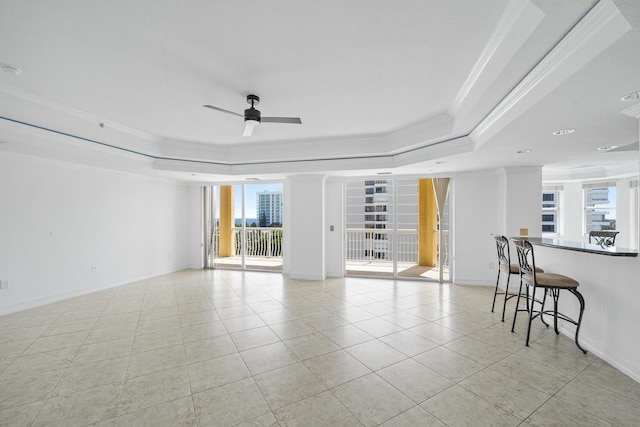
(261,241)
(367,244)
(362,245)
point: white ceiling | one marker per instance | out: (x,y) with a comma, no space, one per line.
(398,86)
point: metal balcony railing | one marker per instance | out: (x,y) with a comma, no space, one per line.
(366,244)
(260,241)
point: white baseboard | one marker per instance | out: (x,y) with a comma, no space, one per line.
(623,365)
(472,282)
(335,274)
(315,277)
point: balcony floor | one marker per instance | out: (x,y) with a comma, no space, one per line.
(354,268)
(251,263)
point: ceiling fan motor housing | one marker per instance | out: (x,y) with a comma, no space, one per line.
(251,114)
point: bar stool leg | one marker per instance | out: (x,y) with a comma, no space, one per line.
(581,300)
(515,313)
(506,293)
(495,293)
(533,300)
(544,300)
(555,293)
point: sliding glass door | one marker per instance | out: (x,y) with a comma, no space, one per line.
(243,226)
(393,229)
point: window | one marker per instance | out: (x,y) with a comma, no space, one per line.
(599,206)
(550,207)
(634,205)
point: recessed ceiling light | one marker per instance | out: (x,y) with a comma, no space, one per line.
(563,132)
(10,69)
(441,162)
(607,147)
(384,173)
(253,179)
(524,151)
(633,96)
(194,174)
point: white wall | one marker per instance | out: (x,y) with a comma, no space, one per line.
(523,200)
(572,212)
(474,219)
(612,298)
(306,219)
(58,220)
(334,216)
(195,238)
(623,212)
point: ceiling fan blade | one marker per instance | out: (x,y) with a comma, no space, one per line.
(248,128)
(223,110)
(292,120)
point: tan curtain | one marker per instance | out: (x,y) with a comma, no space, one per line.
(441,189)
(208,226)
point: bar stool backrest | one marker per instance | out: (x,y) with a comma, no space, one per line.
(526,260)
(504,258)
(603,238)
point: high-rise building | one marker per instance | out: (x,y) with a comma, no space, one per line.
(269,208)
(370,205)
(550,206)
(599,214)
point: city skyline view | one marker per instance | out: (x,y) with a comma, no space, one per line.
(250,198)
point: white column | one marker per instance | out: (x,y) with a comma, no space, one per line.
(306,227)
(623,212)
(523,195)
(572,211)
(634,111)
(334,228)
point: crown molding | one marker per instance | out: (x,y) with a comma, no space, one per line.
(517,23)
(601,27)
(67,110)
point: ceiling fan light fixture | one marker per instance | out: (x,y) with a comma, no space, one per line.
(249,124)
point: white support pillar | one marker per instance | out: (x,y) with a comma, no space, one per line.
(306,227)
(522,192)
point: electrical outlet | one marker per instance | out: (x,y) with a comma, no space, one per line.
(4,284)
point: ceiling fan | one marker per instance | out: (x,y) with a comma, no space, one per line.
(252,117)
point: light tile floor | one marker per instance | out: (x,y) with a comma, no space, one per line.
(257,349)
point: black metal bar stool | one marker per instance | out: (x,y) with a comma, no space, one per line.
(551,284)
(603,238)
(504,265)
